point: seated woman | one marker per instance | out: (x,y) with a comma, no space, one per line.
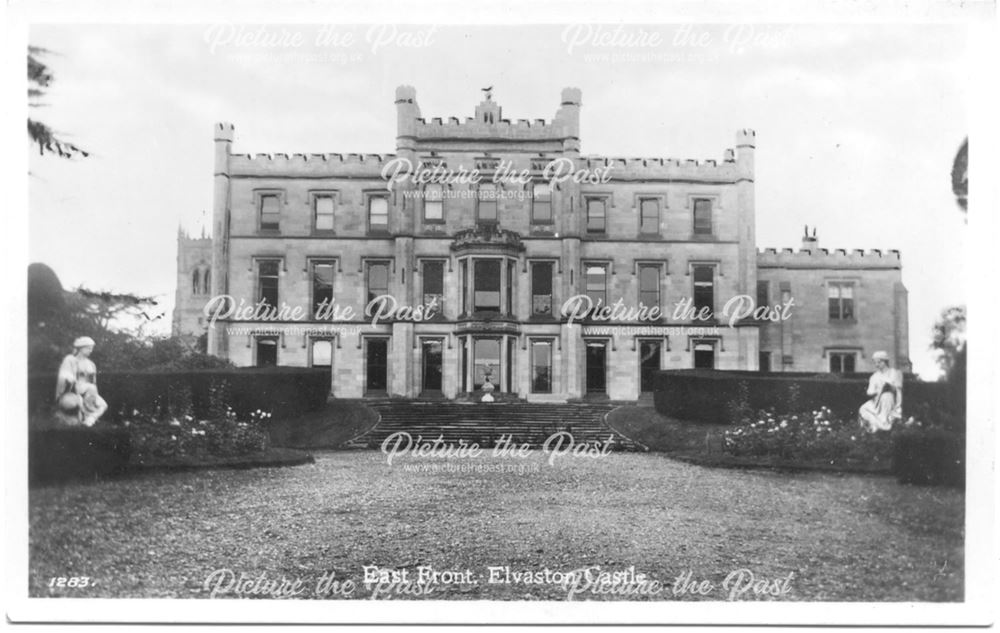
(886,390)
(76,386)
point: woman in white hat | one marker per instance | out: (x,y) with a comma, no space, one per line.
(886,390)
(76,387)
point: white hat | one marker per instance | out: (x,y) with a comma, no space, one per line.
(880,355)
(83,341)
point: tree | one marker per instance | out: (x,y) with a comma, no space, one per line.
(948,338)
(39,79)
(960,176)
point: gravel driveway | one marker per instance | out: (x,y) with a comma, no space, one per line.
(643,515)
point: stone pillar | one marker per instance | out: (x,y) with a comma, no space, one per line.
(224,132)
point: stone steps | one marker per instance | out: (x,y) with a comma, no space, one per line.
(486,424)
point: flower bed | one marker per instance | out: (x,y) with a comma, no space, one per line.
(817,437)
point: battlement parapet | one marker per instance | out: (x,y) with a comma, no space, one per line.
(663,168)
(332,164)
(471,128)
(827,258)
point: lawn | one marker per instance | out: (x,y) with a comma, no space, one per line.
(842,537)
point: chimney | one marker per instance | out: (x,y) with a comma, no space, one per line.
(810,242)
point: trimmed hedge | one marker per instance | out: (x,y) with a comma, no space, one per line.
(284,391)
(929,456)
(726,396)
(77,453)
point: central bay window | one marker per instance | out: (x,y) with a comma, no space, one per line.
(433,279)
(541,288)
(321,274)
(486,280)
(377,279)
(704,289)
(541,203)
(841,301)
(597,283)
(268,271)
(378,214)
(486,211)
(596,215)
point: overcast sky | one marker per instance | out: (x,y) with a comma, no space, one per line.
(857,125)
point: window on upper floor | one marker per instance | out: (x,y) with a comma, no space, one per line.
(541,288)
(268,271)
(377,279)
(763,293)
(378,213)
(541,203)
(704,288)
(270,212)
(486,209)
(597,283)
(433,280)
(649,216)
(486,283)
(702,216)
(649,284)
(323,212)
(322,286)
(840,301)
(434,203)
(596,215)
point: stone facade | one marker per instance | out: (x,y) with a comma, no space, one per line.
(292,229)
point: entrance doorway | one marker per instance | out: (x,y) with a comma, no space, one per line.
(649,364)
(485,359)
(597,356)
(433,364)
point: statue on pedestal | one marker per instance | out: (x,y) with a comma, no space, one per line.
(487,385)
(77,400)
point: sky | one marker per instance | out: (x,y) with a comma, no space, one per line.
(857,125)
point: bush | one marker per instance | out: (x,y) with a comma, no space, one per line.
(713,396)
(156,439)
(815,436)
(283,391)
(932,456)
(62,454)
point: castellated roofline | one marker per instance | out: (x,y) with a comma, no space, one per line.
(823,257)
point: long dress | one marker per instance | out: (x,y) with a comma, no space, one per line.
(78,375)
(886,405)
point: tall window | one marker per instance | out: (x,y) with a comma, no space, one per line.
(704,289)
(486,273)
(267,351)
(541,203)
(434,284)
(596,212)
(270,212)
(597,283)
(763,293)
(322,286)
(378,213)
(267,281)
(841,362)
(376,364)
(702,216)
(487,202)
(541,288)
(463,274)
(841,301)
(434,203)
(509,302)
(541,367)
(649,285)
(324,213)
(321,353)
(649,216)
(764,361)
(378,279)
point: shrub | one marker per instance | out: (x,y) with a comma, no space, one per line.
(934,456)
(156,438)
